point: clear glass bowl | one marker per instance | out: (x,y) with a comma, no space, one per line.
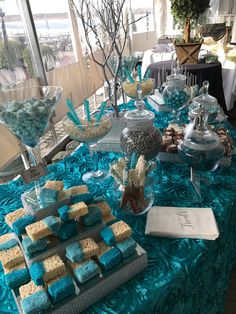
(176,94)
(131,89)
(149,198)
(88,132)
(26,111)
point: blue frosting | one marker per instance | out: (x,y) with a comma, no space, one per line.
(36,272)
(36,303)
(64,213)
(94,214)
(110,258)
(74,252)
(67,230)
(31,247)
(127,247)
(86,271)
(19,225)
(108,236)
(48,197)
(53,223)
(109,223)
(61,289)
(8,244)
(85,197)
(17,278)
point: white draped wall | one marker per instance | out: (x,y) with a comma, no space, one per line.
(160,17)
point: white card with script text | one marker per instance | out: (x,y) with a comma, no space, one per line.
(182,222)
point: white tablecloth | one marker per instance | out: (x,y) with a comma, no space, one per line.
(228,71)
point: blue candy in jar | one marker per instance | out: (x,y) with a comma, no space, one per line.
(176,94)
(27,120)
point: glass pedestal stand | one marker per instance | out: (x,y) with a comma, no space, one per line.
(196,182)
(96,175)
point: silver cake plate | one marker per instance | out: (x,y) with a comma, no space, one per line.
(97,288)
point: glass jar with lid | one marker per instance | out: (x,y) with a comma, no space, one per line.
(176,94)
(201,148)
(208,102)
(140,136)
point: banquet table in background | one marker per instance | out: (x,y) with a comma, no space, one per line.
(184,276)
(211,72)
(151,56)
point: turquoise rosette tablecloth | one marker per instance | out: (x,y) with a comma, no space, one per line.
(184,275)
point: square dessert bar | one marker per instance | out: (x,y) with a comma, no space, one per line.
(48,197)
(85,270)
(18,220)
(46,270)
(60,288)
(7,241)
(43,228)
(104,207)
(34,299)
(108,257)
(31,247)
(94,215)
(16,276)
(127,247)
(11,257)
(81,250)
(80,189)
(73,211)
(54,185)
(115,233)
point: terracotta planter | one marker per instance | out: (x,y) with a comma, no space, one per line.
(187,53)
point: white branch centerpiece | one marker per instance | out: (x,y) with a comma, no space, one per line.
(107,22)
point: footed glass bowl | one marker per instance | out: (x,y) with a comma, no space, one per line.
(90,133)
(131,89)
(26,111)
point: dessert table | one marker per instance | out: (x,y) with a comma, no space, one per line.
(184,275)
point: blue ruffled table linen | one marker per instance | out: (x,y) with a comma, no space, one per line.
(184,276)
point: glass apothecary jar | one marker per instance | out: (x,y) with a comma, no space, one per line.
(176,94)
(208,102)
(201,148)
(140,136)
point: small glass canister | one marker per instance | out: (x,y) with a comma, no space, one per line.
(208,102)
(140,136)
(176,94)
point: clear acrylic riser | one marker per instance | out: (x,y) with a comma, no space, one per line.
(95,289)
(32,207)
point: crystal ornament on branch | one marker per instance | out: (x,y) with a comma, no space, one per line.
(107,23)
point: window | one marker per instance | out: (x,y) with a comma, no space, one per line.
(53,27)
(140,8)
(15,57)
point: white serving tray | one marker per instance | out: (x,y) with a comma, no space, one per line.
(95,289)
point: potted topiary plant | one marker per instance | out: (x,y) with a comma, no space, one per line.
(186,11)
